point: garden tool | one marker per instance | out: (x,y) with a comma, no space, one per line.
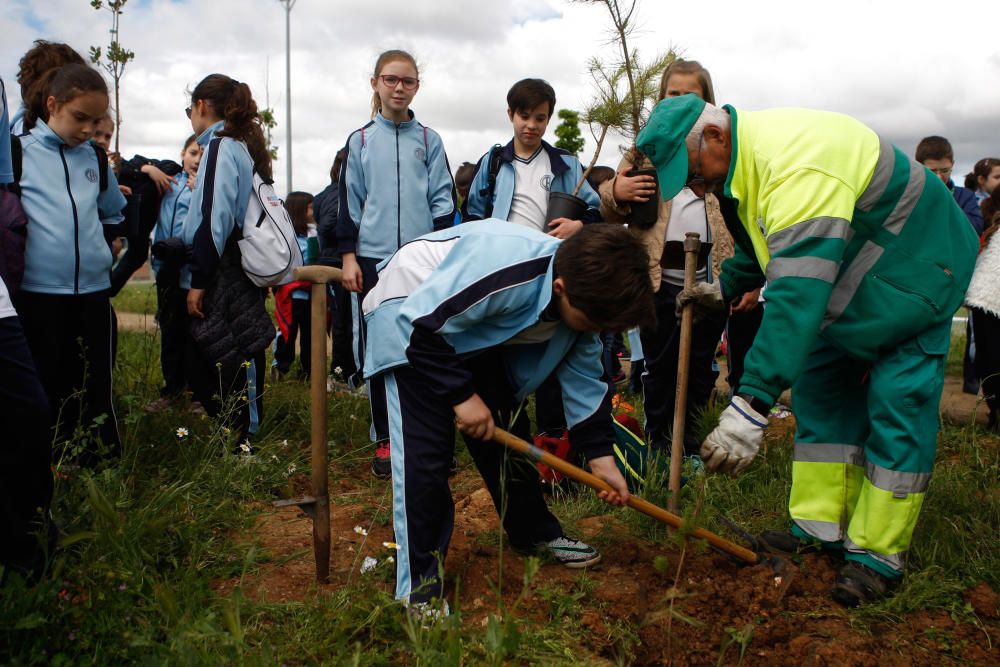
(692,246)
(317,505)
(649,509)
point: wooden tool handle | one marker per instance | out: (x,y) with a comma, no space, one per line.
(319,274)
(692,246)
(593,481)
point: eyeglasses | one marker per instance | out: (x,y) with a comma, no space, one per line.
(696,178)
(188,112)
(391,81)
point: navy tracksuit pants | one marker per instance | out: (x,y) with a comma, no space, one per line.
(422,429)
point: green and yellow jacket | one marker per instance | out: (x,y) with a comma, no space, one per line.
(858,244)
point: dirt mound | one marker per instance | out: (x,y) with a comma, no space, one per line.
(716,607)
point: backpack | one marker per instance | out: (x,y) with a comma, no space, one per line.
(270,252)
(14,221)
(491,183)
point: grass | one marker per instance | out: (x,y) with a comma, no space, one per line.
(150,536)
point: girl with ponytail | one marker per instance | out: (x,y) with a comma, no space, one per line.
(396,185)
(230,130)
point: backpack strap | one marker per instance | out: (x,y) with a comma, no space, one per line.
(362,137)
(491,182)
(102,166)
(16,162)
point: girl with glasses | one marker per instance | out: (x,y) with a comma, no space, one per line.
(395,186)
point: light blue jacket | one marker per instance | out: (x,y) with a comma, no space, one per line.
(566,173)
(395,185)
(66,251)
(218,204)
(486,284)
(6,169)
(174,207)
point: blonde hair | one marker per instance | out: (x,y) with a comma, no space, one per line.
(689,67)
(386,57)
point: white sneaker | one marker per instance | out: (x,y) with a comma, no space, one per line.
(573,553)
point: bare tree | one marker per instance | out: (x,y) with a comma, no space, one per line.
(115,58)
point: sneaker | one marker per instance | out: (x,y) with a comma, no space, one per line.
(572,553)
(382,464)
(857,584)
(619,378)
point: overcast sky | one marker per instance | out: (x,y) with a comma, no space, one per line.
(907,69)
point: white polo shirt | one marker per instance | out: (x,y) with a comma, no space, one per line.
(532,180)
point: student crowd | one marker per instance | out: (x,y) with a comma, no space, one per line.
(447,315)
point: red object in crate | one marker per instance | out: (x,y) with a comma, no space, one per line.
(555,445)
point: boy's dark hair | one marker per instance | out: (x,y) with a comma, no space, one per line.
(606,271)
(598,175)
(527,94)
(934,148)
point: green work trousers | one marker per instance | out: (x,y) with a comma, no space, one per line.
(865,445)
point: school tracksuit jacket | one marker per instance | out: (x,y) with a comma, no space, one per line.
(218,206)
(389,172)
(174,207)
(395,185)
(867,256)
(566,173)
(443,302)
(67,275)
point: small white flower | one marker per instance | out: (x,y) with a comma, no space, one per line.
(338,370)
(284,443)
(368,564)
(292,469)
(390,545)
(245,447)
(390,559)
(182,432)
(360,531)
(274,457)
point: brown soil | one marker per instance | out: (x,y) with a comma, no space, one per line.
(784,619)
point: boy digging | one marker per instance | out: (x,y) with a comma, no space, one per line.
(471,320)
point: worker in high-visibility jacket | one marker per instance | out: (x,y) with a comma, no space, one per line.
(866,258)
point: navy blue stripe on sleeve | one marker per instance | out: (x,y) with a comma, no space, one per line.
(505,278)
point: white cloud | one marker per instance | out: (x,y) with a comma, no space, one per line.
(906,69)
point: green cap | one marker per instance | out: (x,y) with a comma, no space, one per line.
(663,140)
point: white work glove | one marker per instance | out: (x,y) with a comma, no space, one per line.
(706,299)
(735,441)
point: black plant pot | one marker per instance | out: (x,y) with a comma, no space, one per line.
(563,205)
(644,213)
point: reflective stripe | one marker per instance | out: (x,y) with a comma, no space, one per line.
(880,177)
(821,530)
(893,561)
(809,452)
(850,280)
(897,482)
(817,228)
(911,195)
(802,267)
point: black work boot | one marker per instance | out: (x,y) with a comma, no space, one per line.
(857,584)
(785,542)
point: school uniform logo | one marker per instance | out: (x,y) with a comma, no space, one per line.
(546,182)
(91,174)
(419,153)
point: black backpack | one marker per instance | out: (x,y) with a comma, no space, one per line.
(491,183)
